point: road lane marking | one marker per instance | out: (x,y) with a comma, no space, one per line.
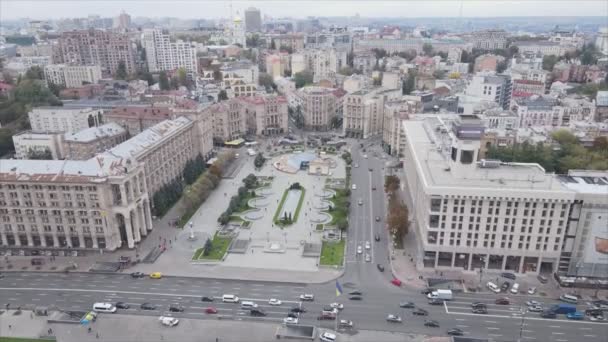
(590,335)
(493,328)
(495,335)
(554,326)
(519,317)
(530,337)
(585,328)
(460,319)
(491,322)
(462,326)
(557,333)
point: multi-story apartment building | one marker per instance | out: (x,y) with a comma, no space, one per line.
(238,78)
(489,39)
(265,115)
(96,47)
(29,144)
(364,61)
(164,55)
(100,203)
(63,119)
(496,88)
(72,76)
(338,38)
(319,107)
(87,143)
(162,149)
(527,88)
(545,48)
(472,214)
(550,112)
(228,121)
(395,111)
(363,111)
(253,20)
(409,44)
(601,106)
(293,41)
(323,63)
(487,62)
(135,119)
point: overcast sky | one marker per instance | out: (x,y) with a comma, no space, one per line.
(46,9)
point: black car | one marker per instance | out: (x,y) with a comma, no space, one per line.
(377,237)
(436,301)
(420,312)
(206,299)
(433,324)
(137,275)
(508,275)
(176,308)
(478,305)
(355,298)
(292,315)
(298,310)
(257,313)
(505,286)
(548,314)
(148,306)
(377,218)
(407,305)
(380,268)
(356,293)
(455,332)
(122,305)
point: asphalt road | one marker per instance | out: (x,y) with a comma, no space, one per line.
(503,322)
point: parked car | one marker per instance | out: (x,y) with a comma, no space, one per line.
(508,275)
(327,337)
(210,310)
(396,282)
(122,305)
(354,187)
(148,306)
(515,288)
(307,297)
(542,279)
(137,275)
(168,321)
(578,315)
(360,202)
(532,290)
(502,301)
(420,312)
(455,332)
(176,308)
(206,299)
(393,318)
(380,267)
(407,305)
(432,324)
(505,286)
(275,302)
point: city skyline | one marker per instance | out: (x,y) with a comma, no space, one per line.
(298,9)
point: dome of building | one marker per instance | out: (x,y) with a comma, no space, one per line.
(237,19)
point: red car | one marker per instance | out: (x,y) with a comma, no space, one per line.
(211,310)
(396,282)
(502,301)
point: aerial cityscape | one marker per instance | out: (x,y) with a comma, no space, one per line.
(337,171)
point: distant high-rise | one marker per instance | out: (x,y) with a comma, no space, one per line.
(123,21)
(164,55)
(253,20)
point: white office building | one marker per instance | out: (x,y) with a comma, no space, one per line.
(164,55)
(72,76)
(62,119)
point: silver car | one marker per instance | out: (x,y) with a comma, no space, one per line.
(368,258)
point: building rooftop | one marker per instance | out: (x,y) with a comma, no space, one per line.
(590,182)
(431,140)
(140,112)
(93,133)
(148,138)
(537,102)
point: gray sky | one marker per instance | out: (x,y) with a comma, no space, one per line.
(43,9)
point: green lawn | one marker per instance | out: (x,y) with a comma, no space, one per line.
(219,246)
(339,209)
(276,213)
(276,218)
(17,339)
(243,202)
(332,253)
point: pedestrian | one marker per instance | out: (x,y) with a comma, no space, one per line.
(9,327)
(90,330)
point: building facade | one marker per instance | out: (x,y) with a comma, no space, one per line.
(489,39)
(72,76)
(136,119)
(253,20)
(265,115)
(319,107)
(63,120)
(29,145)
(164,55)
(87,143)
(96,47)
(495,88)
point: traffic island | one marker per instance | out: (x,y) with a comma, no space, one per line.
(332,253)
(214,249)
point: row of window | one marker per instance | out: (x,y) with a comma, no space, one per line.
(52,195)
(48,228)
(49,187)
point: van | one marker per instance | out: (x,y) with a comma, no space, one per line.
(248,305)
(104,307)
(568,298)
(515,288)
(493,287)
(228,298)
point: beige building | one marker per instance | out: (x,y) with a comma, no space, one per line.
(62,119)
(392,133)
(135,119)
(363,111)
(265,115)
(100,203)
(319,107)
(72,76)
(293,41)
(228,121)
(91,141)
(29,144)
(96,47)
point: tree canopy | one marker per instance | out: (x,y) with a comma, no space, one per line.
(302,78)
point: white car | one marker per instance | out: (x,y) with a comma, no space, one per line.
(168,321)
(346,323)
(532,290)
(337,306)
(356,165)
(274,301)
(359,250)
(354,187)
(368,258)
(360,202)
(327,337)
(535,308)
(365,156)
(307,297)
(290,320)
(533,303)
(368,245)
